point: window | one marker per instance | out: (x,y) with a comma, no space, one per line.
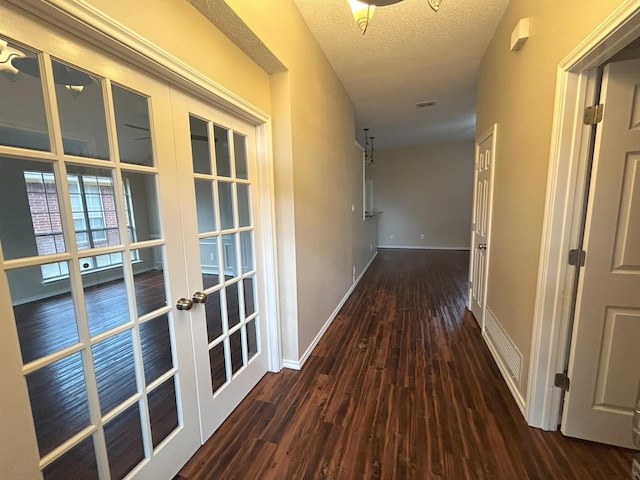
(93,208)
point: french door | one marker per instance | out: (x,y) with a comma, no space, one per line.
(217,168)
(129,245)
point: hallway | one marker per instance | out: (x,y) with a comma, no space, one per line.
(402,386)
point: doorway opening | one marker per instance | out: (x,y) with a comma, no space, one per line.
(569,151)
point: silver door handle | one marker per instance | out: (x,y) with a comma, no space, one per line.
(482,246)
(184,304)
(199,297)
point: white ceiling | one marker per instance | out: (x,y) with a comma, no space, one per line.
(409,54)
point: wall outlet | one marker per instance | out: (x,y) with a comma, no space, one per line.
(422,236)
(391,237)
(371,248)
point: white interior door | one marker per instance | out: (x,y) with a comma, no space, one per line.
(92,258)
(604,367)
(481,224)
(222,229)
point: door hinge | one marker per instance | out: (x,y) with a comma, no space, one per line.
(562,381)
(593,114)
(577,257)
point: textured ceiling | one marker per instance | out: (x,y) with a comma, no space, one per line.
(409,54)
(223,17)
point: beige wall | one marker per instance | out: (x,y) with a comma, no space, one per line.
(326,168)
(178,28)
(516,90)
(424,190)
(313,131)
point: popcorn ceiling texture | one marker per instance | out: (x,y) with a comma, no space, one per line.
(409,54)
(225,19)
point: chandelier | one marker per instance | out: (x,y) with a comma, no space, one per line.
(363,9)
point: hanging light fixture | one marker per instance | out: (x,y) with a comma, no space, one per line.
(368,147)
(362,13)
(363,10)
(435,4)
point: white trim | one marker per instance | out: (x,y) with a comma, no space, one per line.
(266,183)
(502,366)
(297,365)
(421,247)
(550,327)
(93,26)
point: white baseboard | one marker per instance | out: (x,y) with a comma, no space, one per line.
(297,364)
(506,355)
(420,247)
(292,364)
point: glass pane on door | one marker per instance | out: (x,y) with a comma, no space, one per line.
(143,221)
(105,293)
(23,121)
(125,447)
(30,223)
(223,163)
(163,411)
(133,126)
(114,364)
(60,409)
(240,153)
(82,114)
(200,154)
(93,206)
(45,319)
(83,459)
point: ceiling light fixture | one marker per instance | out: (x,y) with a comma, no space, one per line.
(14,62)
(6,55)
(363,10)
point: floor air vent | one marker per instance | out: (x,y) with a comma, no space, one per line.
(509,355)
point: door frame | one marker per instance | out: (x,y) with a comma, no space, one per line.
(105,33)
(491,132)
(563,206)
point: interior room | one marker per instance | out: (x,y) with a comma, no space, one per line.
(206,204)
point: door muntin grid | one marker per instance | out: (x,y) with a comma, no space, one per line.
(116,363)
(223,203)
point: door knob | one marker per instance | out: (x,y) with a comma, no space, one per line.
(482,246)
(199,297)
(184,304)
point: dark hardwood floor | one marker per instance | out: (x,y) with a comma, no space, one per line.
(401,386)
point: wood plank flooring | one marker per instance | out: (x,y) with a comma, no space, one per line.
(401,386)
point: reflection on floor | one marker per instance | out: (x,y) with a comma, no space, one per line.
(58,391)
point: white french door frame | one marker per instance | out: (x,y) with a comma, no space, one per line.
(90,24)
(563,208)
